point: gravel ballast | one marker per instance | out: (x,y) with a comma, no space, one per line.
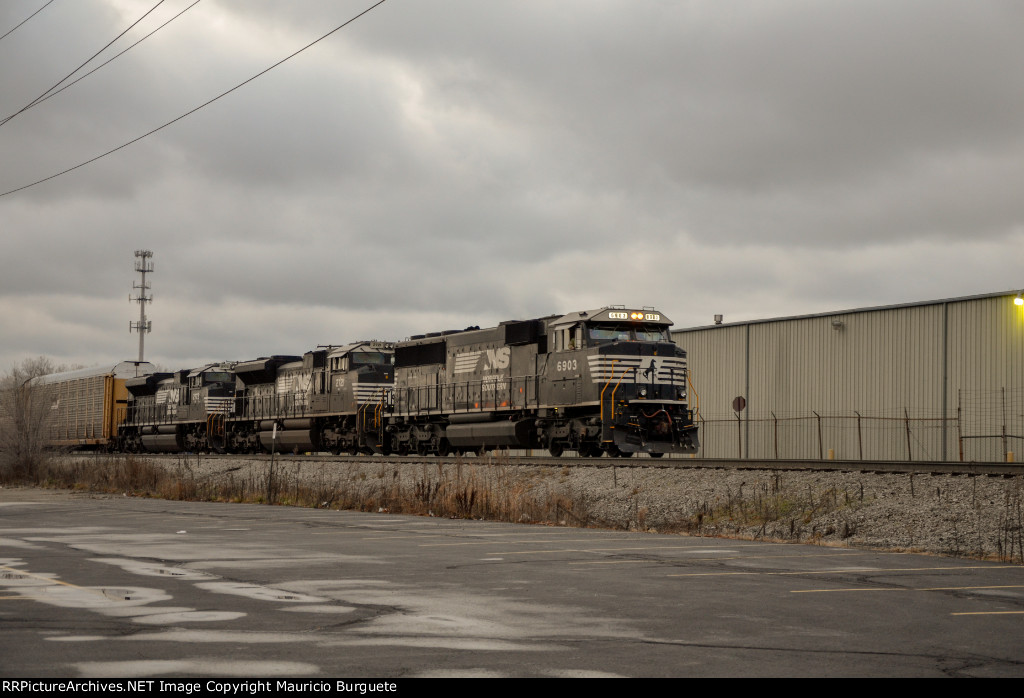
(960,515)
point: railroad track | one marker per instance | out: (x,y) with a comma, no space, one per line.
(568,461)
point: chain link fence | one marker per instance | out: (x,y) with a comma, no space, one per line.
(988,426)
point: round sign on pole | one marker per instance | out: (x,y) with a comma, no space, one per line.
(739,403)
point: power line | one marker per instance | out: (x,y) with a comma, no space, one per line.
(205,104)
(79,79)
(40,97)
(26,19)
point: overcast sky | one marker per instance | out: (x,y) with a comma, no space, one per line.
(438,164)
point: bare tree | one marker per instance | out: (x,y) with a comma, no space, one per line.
(24,407)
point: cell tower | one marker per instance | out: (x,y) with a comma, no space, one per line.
(143,266)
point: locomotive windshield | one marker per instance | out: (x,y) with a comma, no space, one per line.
(600,334)
(652,334)
(217,377)
(372,358)
(604,333)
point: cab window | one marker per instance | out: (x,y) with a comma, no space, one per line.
(652,334)
(602,334)
(372,358)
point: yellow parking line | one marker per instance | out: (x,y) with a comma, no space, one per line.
(38,576)
(706,559)
(989,613)
(852,570)
(816,591)
(593,550)
(408,536)
(491,542)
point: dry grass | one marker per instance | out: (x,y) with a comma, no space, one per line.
(497,491)
(773,512)
(465,491)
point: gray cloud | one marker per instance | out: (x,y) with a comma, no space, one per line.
(436,165)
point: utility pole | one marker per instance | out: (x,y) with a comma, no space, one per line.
(143,266)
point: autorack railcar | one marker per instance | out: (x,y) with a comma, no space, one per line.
(85,407)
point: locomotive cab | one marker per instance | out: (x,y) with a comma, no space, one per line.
(359,379)
(623,363)
(360,374)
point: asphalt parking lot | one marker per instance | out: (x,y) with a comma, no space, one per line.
(116,586)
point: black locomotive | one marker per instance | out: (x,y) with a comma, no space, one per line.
(330,399)
(600,381)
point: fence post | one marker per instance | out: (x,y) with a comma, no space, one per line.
(1003,397)
(776,421)
(860,440)
(906,421)
(821,454)
(959,430)
(739,437)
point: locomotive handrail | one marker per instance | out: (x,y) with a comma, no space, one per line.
(446,398)
(601,401)
(615,389)
(696,397)
(378,411)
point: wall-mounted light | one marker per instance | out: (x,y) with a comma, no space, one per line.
(1018,300)
(837,324)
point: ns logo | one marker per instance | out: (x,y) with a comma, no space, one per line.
(495,359)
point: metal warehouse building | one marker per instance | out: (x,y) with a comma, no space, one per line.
(938,380)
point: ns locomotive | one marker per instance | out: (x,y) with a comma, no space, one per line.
(605,381)
(599,381)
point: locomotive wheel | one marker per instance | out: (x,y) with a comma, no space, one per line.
(555,449)
(656,454)
(443,448)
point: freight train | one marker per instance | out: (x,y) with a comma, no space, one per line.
(605,381)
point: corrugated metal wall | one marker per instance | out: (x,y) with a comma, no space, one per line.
(986,377)
(866,384)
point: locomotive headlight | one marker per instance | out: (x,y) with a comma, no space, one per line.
(681,394)
(636,316)
(643,392)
